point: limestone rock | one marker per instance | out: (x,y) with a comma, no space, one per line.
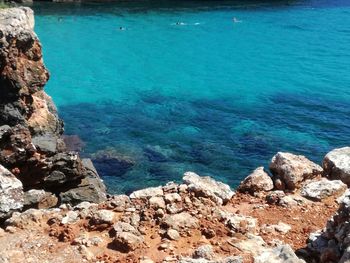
(173,234)
(11,193)
(127,241)
(70,218)
(180,221)
(293,169)
(205,251)
(157,202)
(147,193)
(336,164)
(280,254)
(258,181)
(322,189)
(205,186)
(103,216)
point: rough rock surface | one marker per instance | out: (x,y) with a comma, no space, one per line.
(336,164)
(31,146)
(206,186)
(323,188)
(11,193)
(293,169)
(258,181)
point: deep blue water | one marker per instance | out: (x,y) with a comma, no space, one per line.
(212,96)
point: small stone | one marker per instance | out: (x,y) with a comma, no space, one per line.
(173,234)
(147,193)
(126,242)
(180,221)
(322,189)
(70,218)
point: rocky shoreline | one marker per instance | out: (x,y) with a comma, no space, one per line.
(54,206)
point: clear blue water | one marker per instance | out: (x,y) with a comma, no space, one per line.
(211,96)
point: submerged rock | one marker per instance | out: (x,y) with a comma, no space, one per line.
(293,169)
(336,165)
(205,186)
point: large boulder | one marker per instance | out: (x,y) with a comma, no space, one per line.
(205,186)
(11,193)
(258,181)
(336,164)
(293,169)
(322,189)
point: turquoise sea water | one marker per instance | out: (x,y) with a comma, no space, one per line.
(212,96)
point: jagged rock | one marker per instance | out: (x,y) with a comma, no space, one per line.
(291,200)
(103,216)
(205,186)
(205,251)
(274,197)
(147,193)
(11,193)
(70,218)
(121,227)
(21,220)
(172,198)
(258,181)
(180,221)
(126,241)
(336,164)
(293,169)
(157,202)
(39,199)
(322,189)
(90,189)
(280,254)
(241,223)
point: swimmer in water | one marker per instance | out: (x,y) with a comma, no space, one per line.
(180,24)
(122,28)
(235,20)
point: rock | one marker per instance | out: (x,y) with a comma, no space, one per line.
(282,227)
(11,193)
(71,217)
(173,234)
(147,193)
(205,186)
(280,254)
(240,223)
(180,221)
(22,220)
(121,227)
(39,199)
(291,200)
(103,216)
(205,251)
(90,189)
(336,165)
(322,189)
(258,181)
(252,244)
(146,260)
(274,197)
(127,241)
(157,202)
(293,169)
(172,198)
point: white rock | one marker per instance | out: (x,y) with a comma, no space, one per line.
(70,218)
(180,221)
(103,216)
(172,198)
(173,234)
(258,181)
(322,189)
(293,169)
(336,164)
(217,191)
(11,193)
(147,193)
(280,254)
(157,202)
(205,251)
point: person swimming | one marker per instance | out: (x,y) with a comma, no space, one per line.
(235,20)
(122,28)
(180,23)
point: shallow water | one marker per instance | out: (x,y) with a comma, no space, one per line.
(211,96)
